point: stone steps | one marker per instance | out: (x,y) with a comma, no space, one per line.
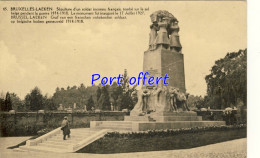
(18,150)
(53,141)
(50,145)
(60,142)
(71,136)
(114,127)
(117,122)
(177,118)
(181,113)
(75,135)
(112,123)
(43,149)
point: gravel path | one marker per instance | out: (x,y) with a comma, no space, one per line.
(229,149)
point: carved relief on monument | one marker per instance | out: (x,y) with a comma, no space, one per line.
(160,99)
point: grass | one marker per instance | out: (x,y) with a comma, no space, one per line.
(108,145)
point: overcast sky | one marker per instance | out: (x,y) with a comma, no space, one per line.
(61,55)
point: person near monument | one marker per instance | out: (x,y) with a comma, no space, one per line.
(65,128)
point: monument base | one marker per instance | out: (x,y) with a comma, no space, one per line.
(145,125)
(156,121)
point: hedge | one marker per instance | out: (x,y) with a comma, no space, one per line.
(170,132)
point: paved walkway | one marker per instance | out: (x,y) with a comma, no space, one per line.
(229,149)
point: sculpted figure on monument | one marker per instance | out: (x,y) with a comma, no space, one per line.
(142,106)
(174,29)
(172,99)
(162,21)
(145,96)
(180,99)
(153,34)
(159,99)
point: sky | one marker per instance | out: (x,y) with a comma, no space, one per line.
(61,55)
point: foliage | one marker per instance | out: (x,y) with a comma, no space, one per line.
(99,96)
(17,103)
(169,132)
(2,104)
(34,101)
(103,102)
(118,95)
(144,141)
(90,103)
(194,102)
(229,116)
(79,95)
(49,103)
(122,94)
(6,104)
(98,93)
(227,82)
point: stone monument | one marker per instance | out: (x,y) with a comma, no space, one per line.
(164,56)
(161,106)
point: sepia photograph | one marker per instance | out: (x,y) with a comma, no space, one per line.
(123,79)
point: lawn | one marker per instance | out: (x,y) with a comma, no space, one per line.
(128,143)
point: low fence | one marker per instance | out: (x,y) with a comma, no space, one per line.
(28,123)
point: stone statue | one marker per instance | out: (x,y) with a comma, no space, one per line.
(145,97)
(142,106)
(180,99)
(153,34)
(164,35)
(174,29)
(159,98)
(172,99)
(164,31)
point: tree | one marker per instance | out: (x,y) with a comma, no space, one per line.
(57,89)
(49,104)
(122,93)
(34,100)
(90,103)
(7,102)
(227,81)
(194,101)
(103,101)
(82,87)
(98,93)
(80,95)
(116,91)
(17,103)
(2,104)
